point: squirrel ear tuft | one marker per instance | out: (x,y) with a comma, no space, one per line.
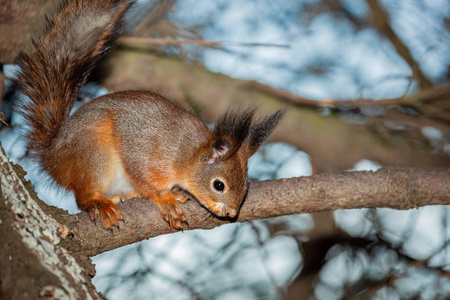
(230,132)
(219,150)
(261,131)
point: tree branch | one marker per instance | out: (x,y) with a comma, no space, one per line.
(159,10)
(135,40)
(398,188)
(413,100)
(381,20)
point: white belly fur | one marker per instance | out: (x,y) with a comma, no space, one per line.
(120,185)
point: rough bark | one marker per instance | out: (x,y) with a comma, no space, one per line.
(34,261)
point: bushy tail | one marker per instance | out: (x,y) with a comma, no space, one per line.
(60,59)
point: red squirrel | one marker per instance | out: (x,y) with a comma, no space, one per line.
(132,143)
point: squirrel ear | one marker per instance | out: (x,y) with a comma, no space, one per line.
(229,133)
(261,131)
(219,150)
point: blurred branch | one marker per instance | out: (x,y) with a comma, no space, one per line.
(382,22)
(160,10)
(18,19)
(431,107)
(414,100)
(398,188)
(130,40)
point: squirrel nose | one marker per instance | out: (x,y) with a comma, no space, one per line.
(231,212)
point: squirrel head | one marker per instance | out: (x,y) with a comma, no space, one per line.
(218,175)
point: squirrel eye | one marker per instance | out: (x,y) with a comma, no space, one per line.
(218,185)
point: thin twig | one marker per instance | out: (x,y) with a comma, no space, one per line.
(161,9)
(382,22)
(212,44)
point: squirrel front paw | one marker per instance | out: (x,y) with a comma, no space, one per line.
(180,194)
(171,212)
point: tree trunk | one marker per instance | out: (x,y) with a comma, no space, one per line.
(34,259)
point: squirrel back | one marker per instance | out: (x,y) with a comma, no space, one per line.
(132,143)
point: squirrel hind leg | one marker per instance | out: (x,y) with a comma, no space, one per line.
(100,208)
(97,178)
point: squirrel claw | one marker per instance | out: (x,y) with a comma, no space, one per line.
(108,213)
(173,214)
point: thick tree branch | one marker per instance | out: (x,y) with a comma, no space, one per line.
(398,188)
